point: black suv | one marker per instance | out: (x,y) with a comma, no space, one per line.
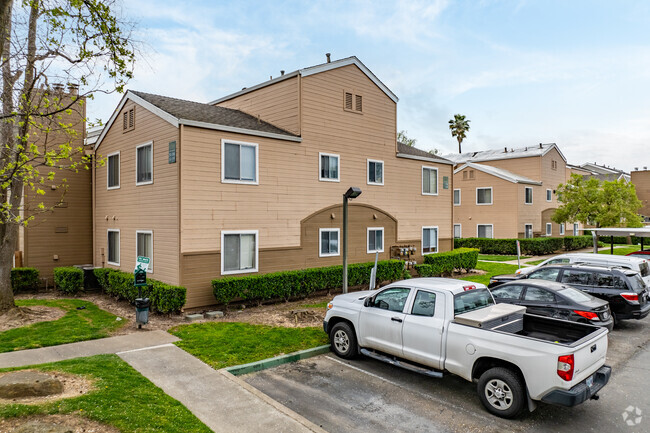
(624,289)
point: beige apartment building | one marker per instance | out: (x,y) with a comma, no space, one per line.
(509,193)
(253,182)
(641,181)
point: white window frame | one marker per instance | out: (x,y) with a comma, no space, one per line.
(119,170)
(491,225)
(576,229)
(119,246)
(383,238)
(549,229)
(549,193)
(454,197)
(460,231)
(561,229)
(320,241)
(425,167)
(320,162)
(257,250)
(146,232)
(437,239)
(526,194)
(491,197)
(376,161)
(149,182)
(531,231)
(223,162)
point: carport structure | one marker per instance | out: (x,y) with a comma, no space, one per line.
(640,232)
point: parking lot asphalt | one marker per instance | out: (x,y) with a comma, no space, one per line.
(365,395)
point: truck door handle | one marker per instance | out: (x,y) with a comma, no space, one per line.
(396,319)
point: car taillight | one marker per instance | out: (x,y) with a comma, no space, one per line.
(630,297)
(471,287)
(565,367)
(586,314)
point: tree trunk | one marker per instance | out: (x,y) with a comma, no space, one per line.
(459,141)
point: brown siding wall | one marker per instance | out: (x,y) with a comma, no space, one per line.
(277,104)
(641,181)
(146,207)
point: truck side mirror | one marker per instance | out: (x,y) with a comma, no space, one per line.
(367,302)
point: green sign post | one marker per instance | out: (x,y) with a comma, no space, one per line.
(140,272)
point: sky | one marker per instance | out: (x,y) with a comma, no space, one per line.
(575,73)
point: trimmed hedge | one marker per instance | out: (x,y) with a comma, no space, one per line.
(165,298)
(69,280)
(534,246)
(24,279)
(291,284)
(445,263)
(577,242)
(635,240)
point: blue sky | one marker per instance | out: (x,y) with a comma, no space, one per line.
(576,72)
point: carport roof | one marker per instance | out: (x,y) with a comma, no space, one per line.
(642,232)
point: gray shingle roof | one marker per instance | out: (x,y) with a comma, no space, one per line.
(410,150)
(200,112)
(499,172)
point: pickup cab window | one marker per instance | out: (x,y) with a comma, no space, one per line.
(391,299)
(544,274)
(472,300)
(425,304)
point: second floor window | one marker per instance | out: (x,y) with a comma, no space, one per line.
(144,164)
(113,170)
(483,195)
(375,172)
(549,195)
(429,181)
(239,162)
(456,197)
(528,195)
(328,167)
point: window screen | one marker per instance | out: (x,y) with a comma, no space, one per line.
(144,164)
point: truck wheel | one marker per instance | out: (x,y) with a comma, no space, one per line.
(502,392)
(343,340)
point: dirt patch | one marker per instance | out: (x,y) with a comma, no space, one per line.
(73,386)
(24,316)
(76,424)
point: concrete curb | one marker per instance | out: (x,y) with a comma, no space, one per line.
(238,370)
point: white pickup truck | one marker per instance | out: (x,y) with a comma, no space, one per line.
(436,325)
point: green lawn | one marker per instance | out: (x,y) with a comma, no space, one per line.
(224,344)
(87,323)
(499,258)
(621,251)
(122,398)
(491,269)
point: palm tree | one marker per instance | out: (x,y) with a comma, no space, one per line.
(459,127)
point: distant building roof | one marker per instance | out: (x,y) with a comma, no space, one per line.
(406,151)
(503,153)
(498,172)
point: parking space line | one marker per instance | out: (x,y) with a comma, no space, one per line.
(491,420)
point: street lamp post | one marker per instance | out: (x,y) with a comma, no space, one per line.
(352,192)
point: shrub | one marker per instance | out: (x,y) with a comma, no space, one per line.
(534,246)
(445,263)
(69,280)
(577,242)
(291,284)
(24,279)
(102,277)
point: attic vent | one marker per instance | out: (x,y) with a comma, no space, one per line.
(471,174)
(358,101)
(128,120)
(348,101)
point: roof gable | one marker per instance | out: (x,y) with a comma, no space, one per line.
(498,172)
(505,153)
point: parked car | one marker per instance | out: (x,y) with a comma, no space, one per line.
(644,254)
(640,264)
(557,300)
(624,289)
(437,325)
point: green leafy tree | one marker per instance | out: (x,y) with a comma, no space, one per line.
(402,137)
(82,43)
(459,127)
(605,204)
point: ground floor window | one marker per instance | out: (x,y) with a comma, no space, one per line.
(528,231)
(458,233)
(114,247)
(144,246)
(484,231)
(329,242)
(375,240)
(575,229)
(239,251)
(561,229)
(429,240)
(549,229)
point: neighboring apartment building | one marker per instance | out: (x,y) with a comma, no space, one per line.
(63,236)
(509,193)
(603,172)
(641,181)
(253,182)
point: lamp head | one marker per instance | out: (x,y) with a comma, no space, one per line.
(352,192)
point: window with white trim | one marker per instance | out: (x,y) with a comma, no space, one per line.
(429,181)
(239,162)
(484,231)
(528,231)
(549,195)
(561,229)
(328,243)
(375,172)
(528,195)
(456,197)
(429,240)
(458,231)
(575,229)
(484,196)
(113,247)
(239,251)
(375,240)
(328,167)
(144,164)
(144,246)
(549,229)
(113,171)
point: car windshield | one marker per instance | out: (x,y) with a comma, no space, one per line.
(574,294)
(472,300)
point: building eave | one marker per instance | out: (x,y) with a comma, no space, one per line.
(424,158)
(226,128)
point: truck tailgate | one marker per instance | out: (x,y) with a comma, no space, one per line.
(589,357)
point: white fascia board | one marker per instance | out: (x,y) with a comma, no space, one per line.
(238,130)
(255,87)
(424,158)
(461,168)
(555,146)
(138,100)
(501,175)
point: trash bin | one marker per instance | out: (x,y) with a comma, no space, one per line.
(142,311)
